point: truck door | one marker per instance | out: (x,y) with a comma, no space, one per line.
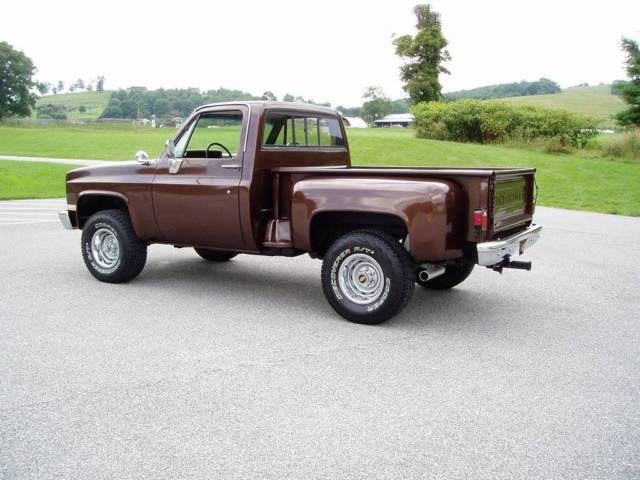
(195,194)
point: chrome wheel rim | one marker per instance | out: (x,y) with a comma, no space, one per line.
(105,248)
(361,279)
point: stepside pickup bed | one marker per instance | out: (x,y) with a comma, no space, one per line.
(276,179)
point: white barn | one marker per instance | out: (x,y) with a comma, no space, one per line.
(395,120)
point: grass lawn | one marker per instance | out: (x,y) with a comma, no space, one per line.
(32,180)
(90,141)
(565,180)
(596,101)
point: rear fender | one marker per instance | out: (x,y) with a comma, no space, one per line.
(431,210)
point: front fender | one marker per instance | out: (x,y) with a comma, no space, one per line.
(432,210)
(127,181)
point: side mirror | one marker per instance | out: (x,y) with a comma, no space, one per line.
(142,158)
(171,149)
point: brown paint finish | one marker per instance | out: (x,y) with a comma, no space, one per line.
(270,201)
(199,204)
(128,181)
(428,209)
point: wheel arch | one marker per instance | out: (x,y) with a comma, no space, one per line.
(93,201)
(326,226)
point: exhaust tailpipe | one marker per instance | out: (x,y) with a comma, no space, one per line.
(429,271)
(423,275)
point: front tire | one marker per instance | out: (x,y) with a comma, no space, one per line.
(367,276)
(214,255)
(110,248)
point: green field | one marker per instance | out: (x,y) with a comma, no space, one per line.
(32,179)
(597,102)
(566,180)
(95,102)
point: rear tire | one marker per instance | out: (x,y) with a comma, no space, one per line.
(215,255)
(454,274)
(110,248)
(367,276)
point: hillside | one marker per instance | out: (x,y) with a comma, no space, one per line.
(596,101)
(95,102)
(542,86)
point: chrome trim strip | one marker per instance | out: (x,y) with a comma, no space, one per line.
(490,253)
(65,220)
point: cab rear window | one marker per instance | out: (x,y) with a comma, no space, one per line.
(295,130)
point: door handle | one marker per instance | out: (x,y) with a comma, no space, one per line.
(231,166)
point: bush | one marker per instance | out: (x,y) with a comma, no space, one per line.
(623,145)
(51,111)
(495,122)
(82,109)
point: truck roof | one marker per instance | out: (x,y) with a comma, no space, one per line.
(265,104)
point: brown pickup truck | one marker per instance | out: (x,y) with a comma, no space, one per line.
(276,179)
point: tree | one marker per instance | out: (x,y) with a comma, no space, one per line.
(129,109)
(350,111)
(269,96)
(376,104)
(16,82)
(100,84)
(424,55)
(161,106)
(630,91)
(288,98)
(80,84)
(60,86)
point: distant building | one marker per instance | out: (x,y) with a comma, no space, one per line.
(395,120)
(354,122)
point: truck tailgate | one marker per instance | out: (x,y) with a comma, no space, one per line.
(512,200)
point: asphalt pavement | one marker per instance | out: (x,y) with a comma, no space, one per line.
(242,370)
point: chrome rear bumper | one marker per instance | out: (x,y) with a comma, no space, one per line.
(491,253)
(65,220)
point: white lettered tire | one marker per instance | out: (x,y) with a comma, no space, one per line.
(110,248)
(367,276)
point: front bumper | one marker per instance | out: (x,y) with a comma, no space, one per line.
(65,220)
(491,253)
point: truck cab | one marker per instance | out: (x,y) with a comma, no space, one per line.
(276,179)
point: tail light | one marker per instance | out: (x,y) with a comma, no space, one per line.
(480,219)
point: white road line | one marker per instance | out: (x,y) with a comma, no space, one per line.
(26,214)
(39,205)
(27,223)
(24,209)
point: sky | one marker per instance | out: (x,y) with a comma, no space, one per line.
(325,50)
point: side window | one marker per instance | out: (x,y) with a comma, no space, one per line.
(293,130)
(212,135)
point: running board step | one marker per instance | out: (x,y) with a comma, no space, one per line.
(278,234)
